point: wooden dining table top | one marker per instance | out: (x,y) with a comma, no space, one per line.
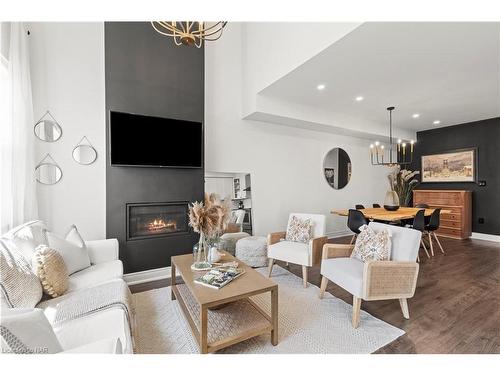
(381,214)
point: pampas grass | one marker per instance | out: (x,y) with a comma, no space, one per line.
(210,218)
(403,181)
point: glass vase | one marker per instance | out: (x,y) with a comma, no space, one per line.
(215,244)
(200,255)
(391,201)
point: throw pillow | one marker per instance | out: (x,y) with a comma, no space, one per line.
(27,331)
(25,238)
(72,248)
(20,287)
(51,269)
(298,230)
(371,246)
(73,236)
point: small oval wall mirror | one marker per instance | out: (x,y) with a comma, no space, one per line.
(47,129)
(84,154)
(337,168)
(47,172)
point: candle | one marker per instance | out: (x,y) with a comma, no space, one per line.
(404,149)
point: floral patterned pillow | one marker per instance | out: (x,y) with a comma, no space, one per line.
(299,230)
(371,246)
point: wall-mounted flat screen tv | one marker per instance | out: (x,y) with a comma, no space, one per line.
(147,141)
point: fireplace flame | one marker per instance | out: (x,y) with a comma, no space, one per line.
(160,224)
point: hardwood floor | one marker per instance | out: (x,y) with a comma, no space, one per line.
(456,307)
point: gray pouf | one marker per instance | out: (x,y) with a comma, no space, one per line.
(229,240)
(252,250)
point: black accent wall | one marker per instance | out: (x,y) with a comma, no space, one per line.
(485,135)
(146,73)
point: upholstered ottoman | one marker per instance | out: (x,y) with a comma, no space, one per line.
(252,250)
(229,240)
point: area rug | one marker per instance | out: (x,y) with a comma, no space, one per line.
(306,323)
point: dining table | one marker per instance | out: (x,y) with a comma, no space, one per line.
(381,214)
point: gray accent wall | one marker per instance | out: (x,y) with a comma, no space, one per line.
(485,135)
(146,73)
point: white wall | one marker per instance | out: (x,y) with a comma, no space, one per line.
(273,49)
(285,162)
(67,71)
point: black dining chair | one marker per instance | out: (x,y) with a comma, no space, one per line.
(432,227)
(419,224)
(421,205)
(355,219)
(359,207)
(376,205)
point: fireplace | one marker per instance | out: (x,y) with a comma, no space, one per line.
(150,220)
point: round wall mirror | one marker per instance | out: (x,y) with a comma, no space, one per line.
(48,173)
(48,130)
(337,168)
(84,154)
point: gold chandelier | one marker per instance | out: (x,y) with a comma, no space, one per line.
(190,33)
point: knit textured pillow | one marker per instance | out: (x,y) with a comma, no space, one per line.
(51,270)
(371,246)
(19,286)
(299,230)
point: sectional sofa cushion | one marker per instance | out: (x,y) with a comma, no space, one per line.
(19,286)
(72,248)
(96,274)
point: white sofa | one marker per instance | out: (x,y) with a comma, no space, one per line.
(101,326)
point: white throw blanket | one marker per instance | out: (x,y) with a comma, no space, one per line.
(112,294)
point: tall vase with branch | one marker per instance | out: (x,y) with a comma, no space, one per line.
(209,219)
(404,182)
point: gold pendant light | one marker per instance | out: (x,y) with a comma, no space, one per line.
(190,33)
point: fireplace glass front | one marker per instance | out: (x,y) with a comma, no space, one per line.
(156,219)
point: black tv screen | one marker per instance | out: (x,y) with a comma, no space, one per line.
(148,141)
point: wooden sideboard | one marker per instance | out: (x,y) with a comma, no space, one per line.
(458,223)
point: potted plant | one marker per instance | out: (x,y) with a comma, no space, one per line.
(404,182)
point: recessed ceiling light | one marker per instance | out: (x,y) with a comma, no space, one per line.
(321,87)
(415,115)
(437,122)
(359,98)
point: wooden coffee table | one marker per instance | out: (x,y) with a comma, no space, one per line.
(240,318)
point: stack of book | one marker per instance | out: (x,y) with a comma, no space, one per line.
(220,276)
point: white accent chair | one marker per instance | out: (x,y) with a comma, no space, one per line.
(305,254)
(377,280)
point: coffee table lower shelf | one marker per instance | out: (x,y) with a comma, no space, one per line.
(233,323)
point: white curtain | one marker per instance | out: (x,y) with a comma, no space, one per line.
(17,154)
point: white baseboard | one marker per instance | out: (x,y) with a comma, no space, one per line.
(147,276)
(485,237)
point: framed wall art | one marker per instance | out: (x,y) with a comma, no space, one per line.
(450,166)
